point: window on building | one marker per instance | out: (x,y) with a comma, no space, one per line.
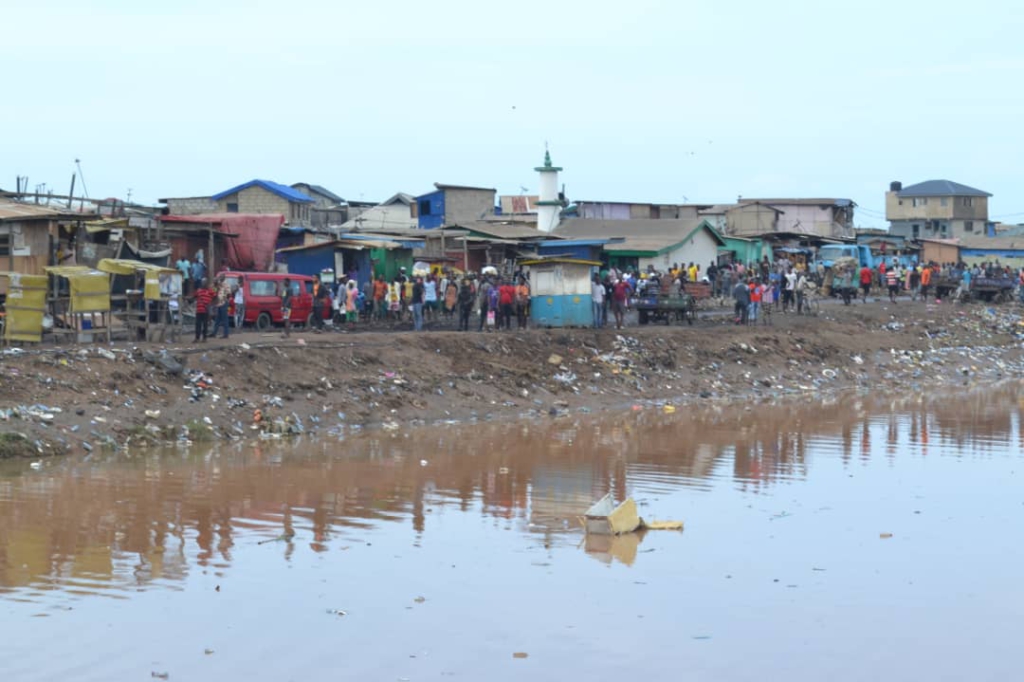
(5,244)
(943,228)
(424,207)
(968,201)
(968,226)
(921,201)
(232,208)
(943,201)
(917,231)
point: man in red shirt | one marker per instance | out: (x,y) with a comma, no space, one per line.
(506,304)
(204,297)
(620,293)
(865,282)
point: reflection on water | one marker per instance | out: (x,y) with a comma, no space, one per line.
(117,523)
(448,549)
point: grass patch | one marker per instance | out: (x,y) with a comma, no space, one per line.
(199,431)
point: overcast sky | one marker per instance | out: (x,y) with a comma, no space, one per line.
(640,100)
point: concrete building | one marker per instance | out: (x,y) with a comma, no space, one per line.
(820,217)
(453,205)
(264,196)
(938,209)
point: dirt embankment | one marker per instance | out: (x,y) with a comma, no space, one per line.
(251,385)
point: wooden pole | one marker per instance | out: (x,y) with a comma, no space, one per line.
(465,255)
(209,257)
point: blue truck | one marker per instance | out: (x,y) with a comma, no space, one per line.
(830,253)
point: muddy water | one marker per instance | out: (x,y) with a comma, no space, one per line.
(443,553)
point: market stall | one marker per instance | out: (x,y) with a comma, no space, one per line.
(152,299)
(22,307)
(79,302)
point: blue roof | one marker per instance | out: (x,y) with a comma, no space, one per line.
(283,191)
(578,242)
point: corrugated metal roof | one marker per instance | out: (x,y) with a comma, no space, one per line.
(283,191)
(14,210)
(321,190)
(941,188)
(981,242)
(842,203)
(500,231)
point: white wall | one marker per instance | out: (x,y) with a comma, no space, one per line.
(701,249)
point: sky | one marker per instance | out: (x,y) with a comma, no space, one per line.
(673,102)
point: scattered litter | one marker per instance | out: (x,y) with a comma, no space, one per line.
(605,518)
(152,414)
(668,409)
(554,359)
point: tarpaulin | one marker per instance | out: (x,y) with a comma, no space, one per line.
(254,236)
(26,305)
(90,289)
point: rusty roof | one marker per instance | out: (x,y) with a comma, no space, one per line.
(16,210)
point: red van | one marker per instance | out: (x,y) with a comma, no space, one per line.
(262,295)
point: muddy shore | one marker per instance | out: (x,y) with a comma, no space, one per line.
(262,386)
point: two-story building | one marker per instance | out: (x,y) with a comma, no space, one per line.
(936,209)
(453,205)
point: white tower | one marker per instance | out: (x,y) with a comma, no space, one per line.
(549,206)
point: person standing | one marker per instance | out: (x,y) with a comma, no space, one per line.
(506,304)
(926,280)
(430,297)
(240,303)
(597,302)
(222,301)
(351,302)
(286,306)
(522,302)
(756,293)
(465,303)
(204,299)
(484,301)
(801,287)
(380,292)
(915,283)
(620,295)
(892,280)
(198,271)
(451,297)
(417,304)
(741,295)
(185,268)
(865,282)
(319,298)
(789,292)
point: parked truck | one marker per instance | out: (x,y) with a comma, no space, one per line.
(830,253)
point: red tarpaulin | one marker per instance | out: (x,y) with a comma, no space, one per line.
(252,248)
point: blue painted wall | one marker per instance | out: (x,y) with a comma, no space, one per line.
(566,310)
(433,217)
(309,261)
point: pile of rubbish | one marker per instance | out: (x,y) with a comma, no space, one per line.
(606,518)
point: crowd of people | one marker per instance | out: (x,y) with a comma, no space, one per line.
(756,290)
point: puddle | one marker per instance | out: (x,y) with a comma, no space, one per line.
(813,534)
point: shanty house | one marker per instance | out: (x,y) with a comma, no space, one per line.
(328,208)
(34,236)
(560,292)
(660,243)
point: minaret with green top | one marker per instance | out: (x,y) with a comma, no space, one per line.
(549,206)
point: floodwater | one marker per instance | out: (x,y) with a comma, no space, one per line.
(449,552)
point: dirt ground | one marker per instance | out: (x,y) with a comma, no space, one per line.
(260,385)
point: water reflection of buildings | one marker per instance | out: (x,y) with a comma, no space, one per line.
(126,524)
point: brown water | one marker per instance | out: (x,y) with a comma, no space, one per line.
(231,563)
